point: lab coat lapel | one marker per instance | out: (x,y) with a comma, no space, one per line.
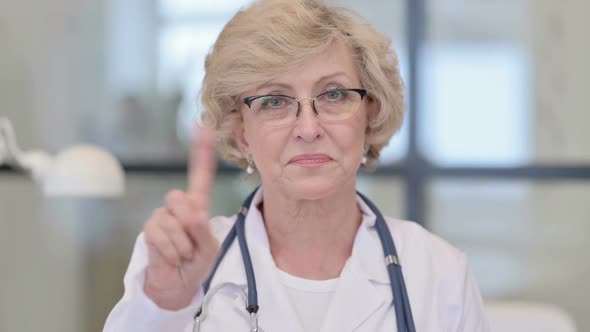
(355,300)
(276,312)
(364,282)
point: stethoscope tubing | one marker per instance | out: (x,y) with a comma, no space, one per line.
(401,303)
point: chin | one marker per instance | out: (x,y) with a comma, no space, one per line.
(314,187)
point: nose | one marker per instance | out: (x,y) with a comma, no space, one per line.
(307,125)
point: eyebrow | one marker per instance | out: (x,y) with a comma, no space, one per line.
(289,87)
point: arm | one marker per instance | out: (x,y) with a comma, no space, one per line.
(173,255)
(470,314)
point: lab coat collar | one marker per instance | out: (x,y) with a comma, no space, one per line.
(367,250)
(357,295)
(367,253)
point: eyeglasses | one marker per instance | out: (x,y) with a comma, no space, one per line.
(332,105)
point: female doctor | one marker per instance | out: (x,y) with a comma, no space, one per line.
(303,94)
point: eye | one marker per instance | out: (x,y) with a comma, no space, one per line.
(335,95)
(273,101)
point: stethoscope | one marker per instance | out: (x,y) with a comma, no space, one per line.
(401,303)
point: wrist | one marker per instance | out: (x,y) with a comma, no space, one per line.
(167,299)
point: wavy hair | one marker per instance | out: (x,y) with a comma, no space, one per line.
(269,38)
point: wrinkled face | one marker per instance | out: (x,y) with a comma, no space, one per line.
(310,156)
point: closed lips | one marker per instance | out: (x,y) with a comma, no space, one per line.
(310,158)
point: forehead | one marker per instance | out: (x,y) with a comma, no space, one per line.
(336,62)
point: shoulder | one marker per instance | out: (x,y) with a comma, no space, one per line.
(414,237)
(438,277)
(426,255)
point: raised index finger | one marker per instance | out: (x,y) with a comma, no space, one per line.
(202,166)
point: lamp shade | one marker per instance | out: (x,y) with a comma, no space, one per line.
(83,170)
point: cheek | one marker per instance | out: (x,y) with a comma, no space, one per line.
(351,141)
(266,144)
(255,135)
(352,134)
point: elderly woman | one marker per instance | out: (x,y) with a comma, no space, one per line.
(305,95)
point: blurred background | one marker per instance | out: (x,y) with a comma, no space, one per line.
(494,154)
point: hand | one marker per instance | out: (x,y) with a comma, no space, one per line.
(181,246)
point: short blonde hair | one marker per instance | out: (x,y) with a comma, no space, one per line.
(270,37)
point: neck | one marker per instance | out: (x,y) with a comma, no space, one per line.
(311,239)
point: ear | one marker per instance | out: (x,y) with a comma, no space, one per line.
(241,141)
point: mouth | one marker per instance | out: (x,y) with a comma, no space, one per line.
(310,160)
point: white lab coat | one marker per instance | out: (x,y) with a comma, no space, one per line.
(442,291)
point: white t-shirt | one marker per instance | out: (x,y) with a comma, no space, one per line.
(310,298)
